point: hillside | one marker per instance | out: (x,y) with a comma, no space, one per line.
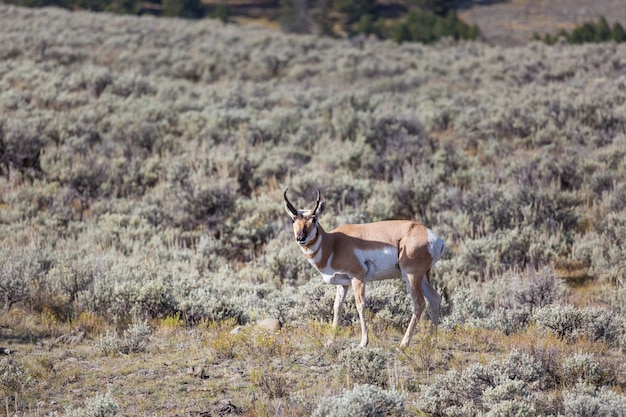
(143,234)
(514,22)
(504,23)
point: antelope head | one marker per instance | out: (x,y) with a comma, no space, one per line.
(305,226)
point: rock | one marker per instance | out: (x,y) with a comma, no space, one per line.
(269,324)
(198,371)
(236,330)
(226,407)
(73,338)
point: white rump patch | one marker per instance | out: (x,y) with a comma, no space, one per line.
(436,246)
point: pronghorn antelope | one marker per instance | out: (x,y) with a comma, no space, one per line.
(354,254)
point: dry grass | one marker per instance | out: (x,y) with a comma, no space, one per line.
(208,370)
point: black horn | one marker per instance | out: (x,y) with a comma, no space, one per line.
(317,202)
(288,206)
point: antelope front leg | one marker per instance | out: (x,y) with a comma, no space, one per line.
(342,290)
(359,296)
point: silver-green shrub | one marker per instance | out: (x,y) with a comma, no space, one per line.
(564,320)
(586,400)
(316,300)
(362,400)
(535,288)
(359,366)
(497,388)
(493,254)
(21,272)
(466,308)
(389,302)
(524,367)
(135,339)
(507,320)
(127,286)
(98,406)
(594,323)
(586,368)
(509,398)
(13,378)
(207,302)
(602,250)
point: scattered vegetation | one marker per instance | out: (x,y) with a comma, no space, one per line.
(134,340)
(98,406)
(595,32)
(423,25)
(413,21)
(142,165)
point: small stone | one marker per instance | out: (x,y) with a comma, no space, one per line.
(269,324)
(198,371)
(236,330)
(226,407)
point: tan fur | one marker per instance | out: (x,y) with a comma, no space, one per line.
(409,238)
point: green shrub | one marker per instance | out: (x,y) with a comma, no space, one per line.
(424,26)
(507,302)
(521,366)
(126,287)
(200,202)
(489,256)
